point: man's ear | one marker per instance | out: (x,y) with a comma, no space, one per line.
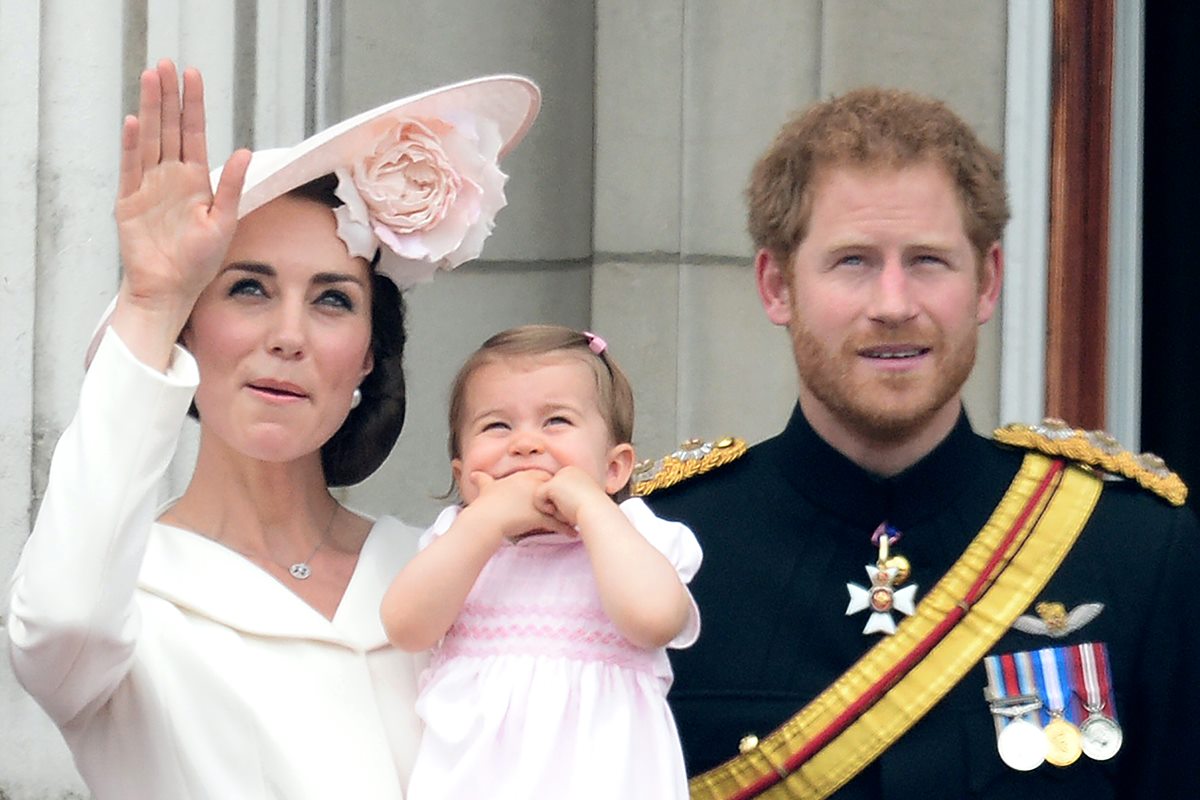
(620,467)
(774,288)
(991,276)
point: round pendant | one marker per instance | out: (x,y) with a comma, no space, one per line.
(1065,740)
(1101,737)
(900,569)
(300,571)
(1022,745)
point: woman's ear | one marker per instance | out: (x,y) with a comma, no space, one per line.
(620,467)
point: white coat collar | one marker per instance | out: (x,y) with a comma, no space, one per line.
(206,578)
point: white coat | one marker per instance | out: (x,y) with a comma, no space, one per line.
(176,668)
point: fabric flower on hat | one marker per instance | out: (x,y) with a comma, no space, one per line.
(428,193)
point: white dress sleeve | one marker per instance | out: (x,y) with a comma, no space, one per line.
(73,623)
(677,542)
(440,525)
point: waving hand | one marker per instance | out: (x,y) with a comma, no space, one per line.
(173,229)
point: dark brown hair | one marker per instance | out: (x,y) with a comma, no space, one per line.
(370,431)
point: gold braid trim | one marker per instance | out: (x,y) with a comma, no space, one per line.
(694,457)
(1096,449)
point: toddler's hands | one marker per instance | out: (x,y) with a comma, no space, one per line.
(510,503)
(569,493)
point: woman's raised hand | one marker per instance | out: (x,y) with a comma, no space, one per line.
(173,230)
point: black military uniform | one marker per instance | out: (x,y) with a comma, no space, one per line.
(787,526)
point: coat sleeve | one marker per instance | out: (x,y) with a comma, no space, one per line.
(73,623)
(1162,704)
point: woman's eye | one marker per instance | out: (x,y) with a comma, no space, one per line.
(495,426)
(337,299)
(247,286)
(558,420)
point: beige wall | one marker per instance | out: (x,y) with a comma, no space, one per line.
(625,210)
(671,101)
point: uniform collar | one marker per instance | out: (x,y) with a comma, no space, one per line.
(834,483)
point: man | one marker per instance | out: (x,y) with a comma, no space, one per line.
(926,612)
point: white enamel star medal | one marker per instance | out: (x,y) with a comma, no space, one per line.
(882,597)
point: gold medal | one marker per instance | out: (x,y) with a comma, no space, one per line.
(899,567)
(1065,742)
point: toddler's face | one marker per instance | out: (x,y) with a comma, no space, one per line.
(533,413)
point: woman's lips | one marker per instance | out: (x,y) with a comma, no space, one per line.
(277,391)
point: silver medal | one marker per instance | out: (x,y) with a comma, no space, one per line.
(1102,737)
(1022,745)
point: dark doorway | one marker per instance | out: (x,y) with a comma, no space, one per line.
(1171,224)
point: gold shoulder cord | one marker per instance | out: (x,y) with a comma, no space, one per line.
(694,457)
(1096,449)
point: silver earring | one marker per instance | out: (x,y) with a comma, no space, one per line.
(355,397)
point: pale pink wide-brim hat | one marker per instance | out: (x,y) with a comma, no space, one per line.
(463,128)
(510,101)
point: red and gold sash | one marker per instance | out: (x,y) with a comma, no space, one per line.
(898,680)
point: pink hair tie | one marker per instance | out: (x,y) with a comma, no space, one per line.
(595,343)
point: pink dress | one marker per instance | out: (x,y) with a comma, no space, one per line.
(533,693)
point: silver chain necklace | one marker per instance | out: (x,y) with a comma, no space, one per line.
(301,569)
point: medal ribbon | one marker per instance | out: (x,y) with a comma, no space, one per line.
(1051,683)
(1028,680)
(1068,681)
(996,688)
(1097,678)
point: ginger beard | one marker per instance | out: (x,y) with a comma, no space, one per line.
(882,407)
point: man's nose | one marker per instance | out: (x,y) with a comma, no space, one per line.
(893,301)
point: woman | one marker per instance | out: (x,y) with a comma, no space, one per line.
(230,645)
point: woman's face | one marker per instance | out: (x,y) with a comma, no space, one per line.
(282,335)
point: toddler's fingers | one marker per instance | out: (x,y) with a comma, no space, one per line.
(481,480)
(543,502)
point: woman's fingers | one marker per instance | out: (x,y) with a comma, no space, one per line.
(169,85)
(150,119)
(130,177)
(193,138)
(229,189)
